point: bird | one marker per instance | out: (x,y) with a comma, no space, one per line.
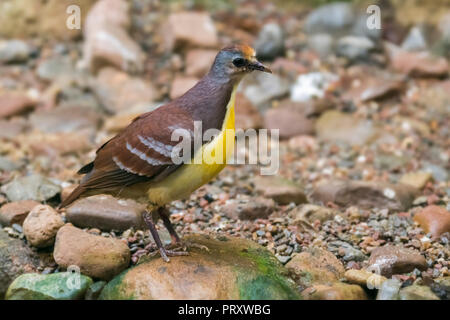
(138,162)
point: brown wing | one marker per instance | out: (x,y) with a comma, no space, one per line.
(141,152)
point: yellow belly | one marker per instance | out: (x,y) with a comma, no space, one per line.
(212,158)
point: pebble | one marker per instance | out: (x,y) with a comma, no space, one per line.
(41,225)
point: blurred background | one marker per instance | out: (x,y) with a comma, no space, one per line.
(361,98)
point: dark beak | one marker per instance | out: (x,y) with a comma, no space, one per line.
(256,65)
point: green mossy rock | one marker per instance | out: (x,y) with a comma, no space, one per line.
(56,286)
(233,268)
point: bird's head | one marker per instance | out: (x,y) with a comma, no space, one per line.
(235,61)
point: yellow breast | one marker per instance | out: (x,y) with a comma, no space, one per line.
(207,162)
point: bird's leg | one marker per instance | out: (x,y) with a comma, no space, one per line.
(176,241)
(163,252)
(166,220)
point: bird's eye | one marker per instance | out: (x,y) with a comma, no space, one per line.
(239,62)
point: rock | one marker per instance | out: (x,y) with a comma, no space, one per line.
(14,103)
(416,292)
(106,213)
(335,291)
(389,260)
(117,91)
(198,61)
(189,28)
(40,19)
(94,290)
(415,40)
(346,250)
(60,143)
(322,43)
(416,179)
(96,256)
(389,290)
(331,18)
(337,126)
(266,88)
(281,190)
(14,51)
(41,225)
(65,119)
(375,88)
(365,194)
(311,86)
(246,208)
(32,187)
(12,128)
(434,219)
(107,41)
(418,64)
(364,278)
(16,258)
(16,212)
(354,47)
(311,213)
(270,42)
(390,161)
(233,268)
(247,115)
(439,173)
(290,119)
(315,266)
(180,85)
(55,286)
(56,68)
(289,67)
(360,28)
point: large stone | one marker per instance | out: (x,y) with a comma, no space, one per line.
(416,292)
(41,225)
(331,18)
(434,219)
(290,119)
(65,119)
(311,213)
(117,91)
(56,286)
(270,42)
(189,28)
(335,291)
(14,103)
(355,48)
(417,63)
(56,68)
(96,256)
(365,194)
(246,208)
(106,213)
(315,266)
(389,290)
(16,212)
(389,260)
(233,268)
(283,191)
(16,258)
(312,86)
(337,126)
(266,88)
(33,187)
(107,41)
(416,179)
(14,51)
(198,61)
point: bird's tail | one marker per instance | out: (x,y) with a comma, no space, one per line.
(72,197)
